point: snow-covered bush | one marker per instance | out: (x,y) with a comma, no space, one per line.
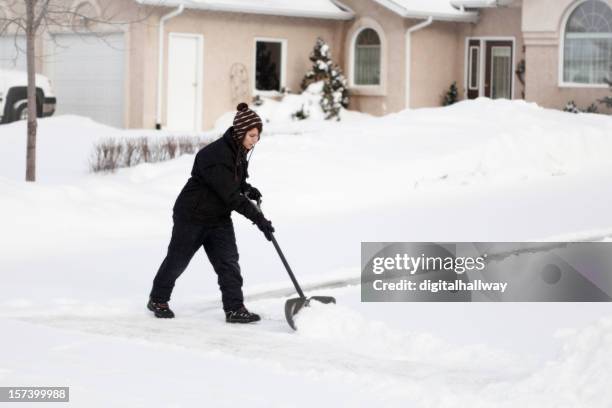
(301,114)
(111,154)
(335,89)
(607,100)
(573,108)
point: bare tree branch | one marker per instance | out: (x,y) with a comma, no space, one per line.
(34,17)
(41,14)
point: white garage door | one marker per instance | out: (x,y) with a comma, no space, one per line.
(88,76)
(12,57)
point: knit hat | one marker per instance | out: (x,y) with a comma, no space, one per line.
(245,120)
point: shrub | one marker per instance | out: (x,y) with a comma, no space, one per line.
(110,154)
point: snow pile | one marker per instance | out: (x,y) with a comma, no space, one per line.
(582,372)
(342,325)
(278,112)
(526,139)
(278,115)
(64,146)
(79,252)
(578,377)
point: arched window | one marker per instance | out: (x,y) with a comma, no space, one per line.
(367,58)
(587,52)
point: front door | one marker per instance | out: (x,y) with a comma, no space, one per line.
(498,69)
(184,82)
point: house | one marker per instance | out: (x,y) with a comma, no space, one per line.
(180,64)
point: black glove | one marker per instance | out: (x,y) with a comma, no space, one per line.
(265,226)
(253,194)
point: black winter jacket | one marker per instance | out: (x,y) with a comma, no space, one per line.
(217,185)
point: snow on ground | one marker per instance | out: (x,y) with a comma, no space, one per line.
(79,252)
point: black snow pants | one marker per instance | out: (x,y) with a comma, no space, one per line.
(219,242)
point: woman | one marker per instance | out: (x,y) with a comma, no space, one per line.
(201,216)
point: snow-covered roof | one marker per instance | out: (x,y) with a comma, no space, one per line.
(295,8)
(438,9)
(479,3)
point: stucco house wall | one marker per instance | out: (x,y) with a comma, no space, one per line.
(230,38)
(543,24)
(389,96)
(143,66)
(434,66)
(437,54)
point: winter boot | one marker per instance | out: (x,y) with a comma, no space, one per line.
(241,315)
(161,310)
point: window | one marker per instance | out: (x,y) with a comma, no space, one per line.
(474,65)
(268,65)
(367,58)
(587,49)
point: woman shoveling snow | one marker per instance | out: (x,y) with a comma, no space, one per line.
(201,216)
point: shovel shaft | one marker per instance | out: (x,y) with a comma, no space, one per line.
(289,271)
(282,257)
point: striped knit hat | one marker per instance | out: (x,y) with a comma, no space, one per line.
(245,120)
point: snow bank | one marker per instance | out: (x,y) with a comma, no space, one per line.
(343,325)
(578,377)
(64,146)
(76,246)
(278,115)
(528,140)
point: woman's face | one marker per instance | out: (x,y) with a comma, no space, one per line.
(250,138)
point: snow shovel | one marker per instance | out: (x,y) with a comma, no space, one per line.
(293,306)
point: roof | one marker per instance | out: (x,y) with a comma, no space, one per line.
(438,9)
(330,9)
(479,3)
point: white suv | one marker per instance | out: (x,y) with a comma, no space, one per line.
(14,99)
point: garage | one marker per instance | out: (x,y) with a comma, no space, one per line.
(88,74)
(12,52)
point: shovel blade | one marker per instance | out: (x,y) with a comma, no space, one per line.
(293,306)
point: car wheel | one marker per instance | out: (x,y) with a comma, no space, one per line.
(21,113)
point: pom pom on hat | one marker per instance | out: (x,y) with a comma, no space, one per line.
(245,120)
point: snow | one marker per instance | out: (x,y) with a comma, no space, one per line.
(441,9)
(297,8)
(480,3)
(64,146)
(10,78)
(79,252)
(277,116)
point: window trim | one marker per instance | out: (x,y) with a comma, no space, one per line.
(354,54)
(283,67)
(561,54)
(367,90)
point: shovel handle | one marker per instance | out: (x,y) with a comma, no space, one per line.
(283,259)
(288,268)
